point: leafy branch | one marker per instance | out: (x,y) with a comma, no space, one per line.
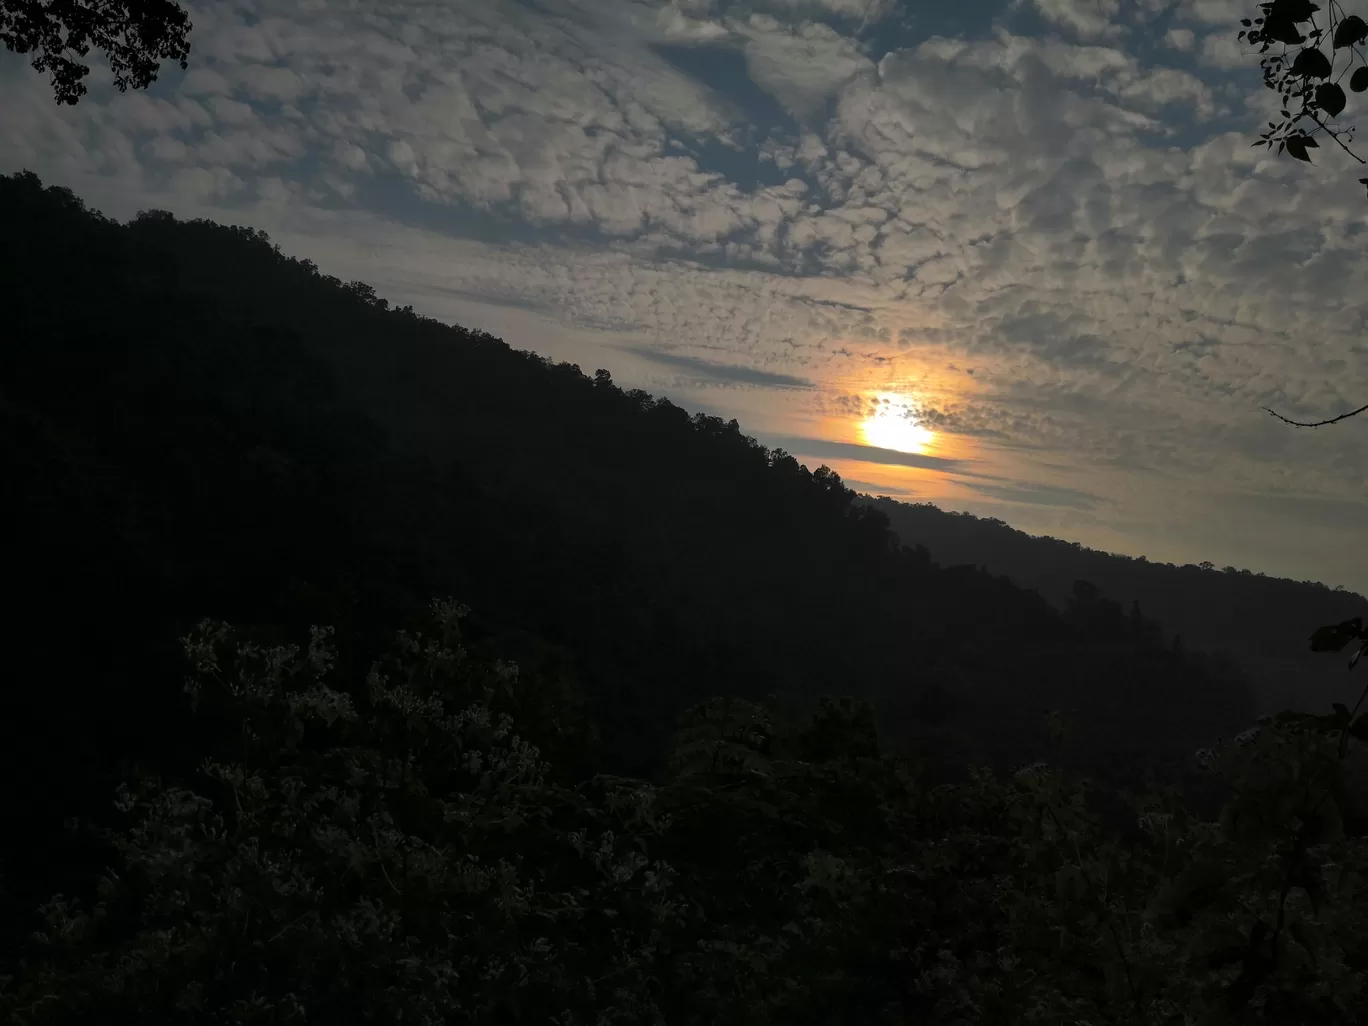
(1303,73)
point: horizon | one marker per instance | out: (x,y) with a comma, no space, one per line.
(1017,260)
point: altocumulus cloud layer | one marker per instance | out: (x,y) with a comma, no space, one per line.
(1040,219)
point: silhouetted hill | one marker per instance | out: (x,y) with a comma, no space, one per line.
(1263,622)
(194,425)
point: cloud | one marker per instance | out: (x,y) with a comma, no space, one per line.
(1180,38)
(1038,494)
(1214,12)
(823,449)
(1090,19)
(1222,50)
(805,67)
(877,490)
(722,373)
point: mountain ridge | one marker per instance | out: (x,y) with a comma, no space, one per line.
(1263,621)
(196,425)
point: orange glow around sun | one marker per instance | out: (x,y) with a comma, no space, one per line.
(892,424)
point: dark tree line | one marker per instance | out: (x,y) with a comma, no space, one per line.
(196,425)
(1261,621)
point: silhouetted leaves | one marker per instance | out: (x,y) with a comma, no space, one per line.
(1334,637)
(1351,31)
(135,35)
(1292,10)
(1330,98)
(1282,30)
(1297,145)
(1311,63)
(1293,79)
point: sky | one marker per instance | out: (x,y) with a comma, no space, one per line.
(1013,257)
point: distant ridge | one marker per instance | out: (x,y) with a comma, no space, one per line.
(1262,621)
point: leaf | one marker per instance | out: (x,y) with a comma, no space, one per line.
(1350,32)
(1334,637)
(1292,10)
(1358,81)
(1281,30)
(1353,661)
(1311,63)
(1296,146)
(1330,98)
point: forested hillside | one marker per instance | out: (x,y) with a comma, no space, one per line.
(196,428)
(1261,621)
(195,424)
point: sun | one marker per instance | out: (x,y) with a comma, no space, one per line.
(893,425)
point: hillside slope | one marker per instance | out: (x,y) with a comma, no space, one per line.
(193,424)
(1262,621)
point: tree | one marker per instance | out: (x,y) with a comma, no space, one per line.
(380,851)
(1307,79)
(135,35)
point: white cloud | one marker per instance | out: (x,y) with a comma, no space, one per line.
(1090,19)
(1216,12)
(677,27)
(1163,86)
(864,11)
(1180,38)
(803,68)
(1223,50)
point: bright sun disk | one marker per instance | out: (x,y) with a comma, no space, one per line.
(893,426)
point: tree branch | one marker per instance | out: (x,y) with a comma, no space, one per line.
(1335,135)
(1318,423)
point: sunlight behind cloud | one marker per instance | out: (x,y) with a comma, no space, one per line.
(892,424)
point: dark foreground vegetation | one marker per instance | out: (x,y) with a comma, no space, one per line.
(759,760)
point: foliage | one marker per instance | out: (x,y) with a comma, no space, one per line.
(1303,72)
(1334,637)
(135,35)
(1307,79)
(194,425)
(392,853)
(395,850)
